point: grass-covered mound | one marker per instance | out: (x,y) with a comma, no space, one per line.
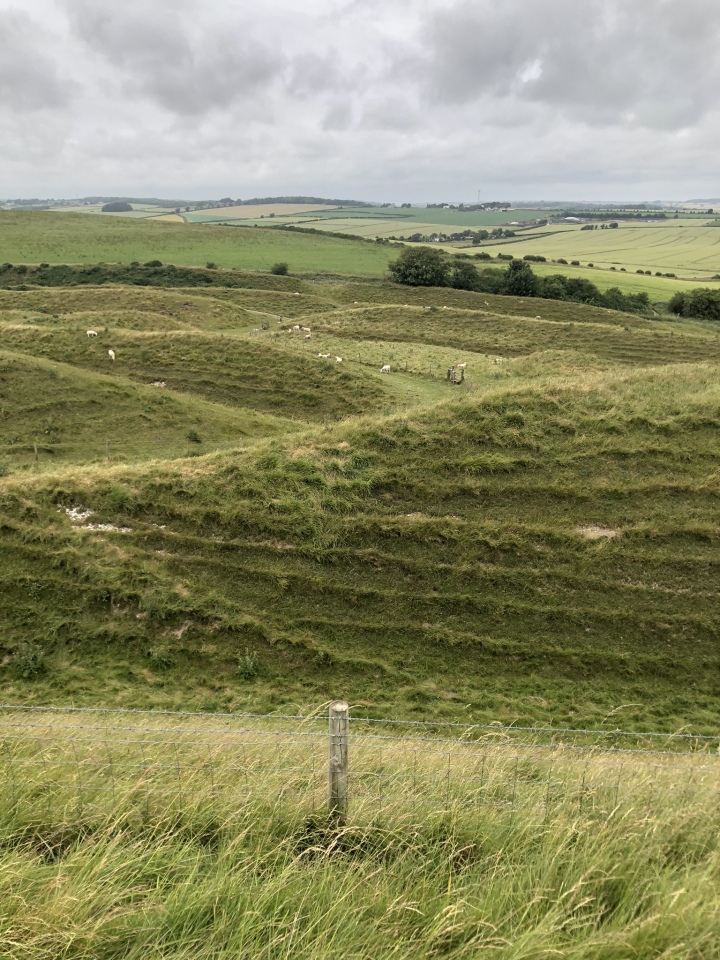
(507,335)
(540,551)
(77,416)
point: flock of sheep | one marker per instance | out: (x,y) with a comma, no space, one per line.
(93,333)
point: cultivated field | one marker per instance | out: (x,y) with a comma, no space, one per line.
(74,238)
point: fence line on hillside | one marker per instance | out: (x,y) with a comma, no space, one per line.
(53,757)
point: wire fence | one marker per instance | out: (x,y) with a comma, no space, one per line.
(78,759)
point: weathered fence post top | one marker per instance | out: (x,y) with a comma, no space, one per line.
(339,728)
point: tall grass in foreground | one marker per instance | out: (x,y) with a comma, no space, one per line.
(161,838)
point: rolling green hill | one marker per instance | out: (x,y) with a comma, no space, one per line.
(536,543)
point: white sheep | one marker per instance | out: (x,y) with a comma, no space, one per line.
(306,329)
(308,336)
(91,333)
(297,294)
(385,369)
(296,327)
(538,318)
(338,359)
(111,354)
(324,356)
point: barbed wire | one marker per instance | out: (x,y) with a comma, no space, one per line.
(321,717)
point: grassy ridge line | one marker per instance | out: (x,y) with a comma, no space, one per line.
(72,413)
(517,336)
(479,849)
(225,370)
(413,561)
(75,238)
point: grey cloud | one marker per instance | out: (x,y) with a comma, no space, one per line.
(165,53)
(647,62)
(30,77)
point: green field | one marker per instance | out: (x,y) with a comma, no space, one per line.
(416,537)
(76,238)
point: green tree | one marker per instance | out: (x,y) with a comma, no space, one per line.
(520,281)
(279,269)
(421,267)
(464,276)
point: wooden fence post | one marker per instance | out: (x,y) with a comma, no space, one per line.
(338,760)
(37,460)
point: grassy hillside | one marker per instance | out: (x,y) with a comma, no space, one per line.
(536,552)
(537,543)
(77,238)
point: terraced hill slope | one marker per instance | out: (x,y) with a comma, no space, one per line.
(538,542)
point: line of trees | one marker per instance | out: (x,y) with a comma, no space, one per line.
(425,267)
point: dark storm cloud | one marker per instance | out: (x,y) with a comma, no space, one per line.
(30,77)
(649,62)
(170,53)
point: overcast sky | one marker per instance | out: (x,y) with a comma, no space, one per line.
(417,100)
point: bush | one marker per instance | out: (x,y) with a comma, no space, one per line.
(193,436)
(154,263)
(28,661)
(534,258)
(279,269)
(210,265)
(421,267)
(248,665)
(575,263)
(701,304)
(520,281)
(464,276)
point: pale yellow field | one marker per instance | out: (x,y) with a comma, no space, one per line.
(256,211)
(173,217)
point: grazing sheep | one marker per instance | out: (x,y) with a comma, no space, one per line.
(111,354)
(297,294)
(91,333)
(385,369)
(324,356)
(306,329)
(538,318)
(296,327)
(338,359)
(308,336)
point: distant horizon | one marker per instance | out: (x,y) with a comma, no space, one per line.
(300,198)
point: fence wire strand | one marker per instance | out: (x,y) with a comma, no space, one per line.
(55,756)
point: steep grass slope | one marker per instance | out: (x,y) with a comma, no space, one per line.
(542,551)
